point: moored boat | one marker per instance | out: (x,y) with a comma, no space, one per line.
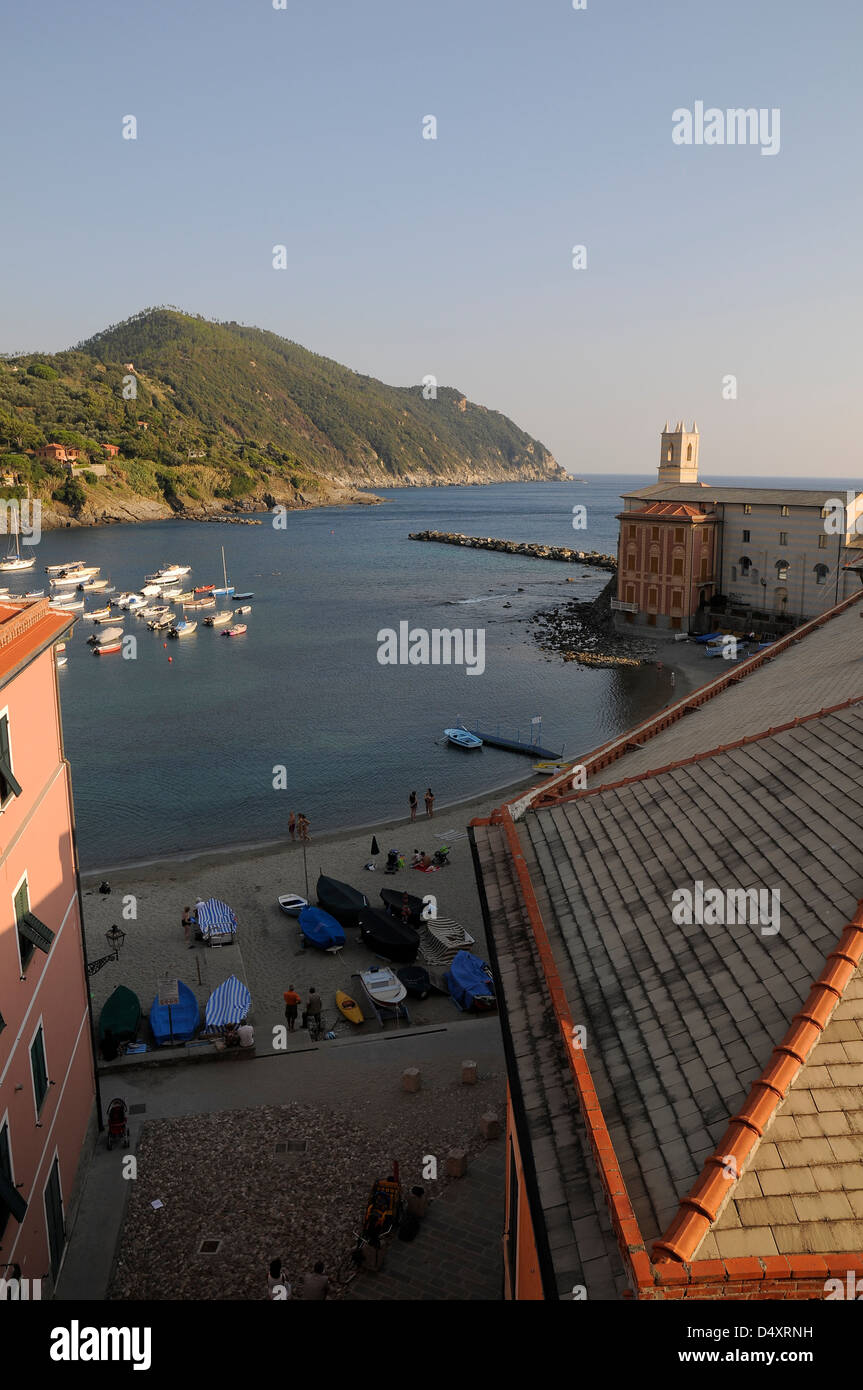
(236,631)
(196,602)
(320,929)
(105,648)
(101,639)
(218,619)
(341,900)
(388,937)
(383,987)
(238,597)
(66,568)
(238,612)
(460,738)
(184,628)
(204,588)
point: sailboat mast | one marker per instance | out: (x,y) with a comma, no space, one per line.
(224,570)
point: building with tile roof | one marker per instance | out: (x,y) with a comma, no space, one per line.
(686,1083)
(772,553)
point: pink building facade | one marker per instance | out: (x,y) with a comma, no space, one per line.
(47,1087)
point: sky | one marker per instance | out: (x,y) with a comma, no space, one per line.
(453,257)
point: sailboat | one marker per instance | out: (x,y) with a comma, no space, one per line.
(13,561)
(226,588)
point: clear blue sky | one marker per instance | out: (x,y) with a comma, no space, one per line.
(453,257)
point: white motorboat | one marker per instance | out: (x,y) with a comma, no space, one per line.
(218,619)
(151,590)
(136,603)
(124,600)
(184,628)
(96,613)
(168,572)
(172,591)
(165,620)
(93,584)
(111,618)
(110,634)
(184,596)
(70,606)
(69,566)
(383,987)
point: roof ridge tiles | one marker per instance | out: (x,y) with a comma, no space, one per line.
(702,1205)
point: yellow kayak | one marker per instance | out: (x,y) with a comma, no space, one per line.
(550,767)
(349,1007)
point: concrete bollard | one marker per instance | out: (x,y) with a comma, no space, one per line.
(411,1079)
(456,1163)
(489,1125)
(468,1073)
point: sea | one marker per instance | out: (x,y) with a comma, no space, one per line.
(210,741)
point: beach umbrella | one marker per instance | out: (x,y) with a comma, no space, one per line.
(375,849)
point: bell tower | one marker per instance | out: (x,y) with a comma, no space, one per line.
(678,459)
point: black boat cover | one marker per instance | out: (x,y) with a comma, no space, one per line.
(341,901)
(388,937)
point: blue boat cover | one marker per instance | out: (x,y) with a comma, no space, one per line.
(183,1020)
(215,918)
(708,637)
(467,977)
(229,1003)
(320,928)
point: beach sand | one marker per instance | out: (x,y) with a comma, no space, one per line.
(267,954)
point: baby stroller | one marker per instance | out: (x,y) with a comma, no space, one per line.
(118,1125)
(441,856)
(392,863)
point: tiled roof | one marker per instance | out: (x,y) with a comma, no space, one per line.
(665,510)
(688,1028)
(706,492)
(25,628)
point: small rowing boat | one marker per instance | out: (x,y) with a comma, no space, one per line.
(383,987)
(218,619)
(104,648)
(236,631)
(239,611)
(237,597)
(460,738)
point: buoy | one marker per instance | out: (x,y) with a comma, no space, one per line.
(170,658)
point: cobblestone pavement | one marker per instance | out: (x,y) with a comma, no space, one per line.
(457,1253)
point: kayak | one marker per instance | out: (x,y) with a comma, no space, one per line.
(349,1007)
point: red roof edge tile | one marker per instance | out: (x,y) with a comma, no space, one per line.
(630,1240)
(614,749)
(700,1208)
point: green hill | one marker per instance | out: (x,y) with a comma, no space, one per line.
(224,416)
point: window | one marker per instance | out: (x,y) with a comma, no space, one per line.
(783,537)
(675,623)
(669,454)
(632,533)
(781,571)
(747,537)
(784,512)
(678,535)
(705,566)
(822,542)
(38,1068)
(630,560)
(676,600)
(32,933)
(688,452)
(9,787)
(821,573)
(652,597)
(11,1201)
(677,565)
(654,533)
(654,564)
(745,563)
(747,508)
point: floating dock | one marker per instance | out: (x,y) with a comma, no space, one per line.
(515,745)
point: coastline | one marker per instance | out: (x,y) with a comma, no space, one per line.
(466,808)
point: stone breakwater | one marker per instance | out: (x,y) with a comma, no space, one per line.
(529,548)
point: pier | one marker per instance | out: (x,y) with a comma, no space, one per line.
(531,549)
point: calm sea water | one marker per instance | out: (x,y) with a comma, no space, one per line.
(169,756)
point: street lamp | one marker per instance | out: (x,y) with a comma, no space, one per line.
(115,938)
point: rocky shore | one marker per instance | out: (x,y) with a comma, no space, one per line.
(529,548)
(585,632)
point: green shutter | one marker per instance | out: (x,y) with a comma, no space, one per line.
(8,781)
(36,932)
(22,902)
(40,1074)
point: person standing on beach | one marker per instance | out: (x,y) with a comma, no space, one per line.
(314,1006)
(292,825)
(303,827)
(412,802)
(292,1002)
(188,929)
(429,801)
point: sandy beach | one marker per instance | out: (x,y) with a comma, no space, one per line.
(267,954)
